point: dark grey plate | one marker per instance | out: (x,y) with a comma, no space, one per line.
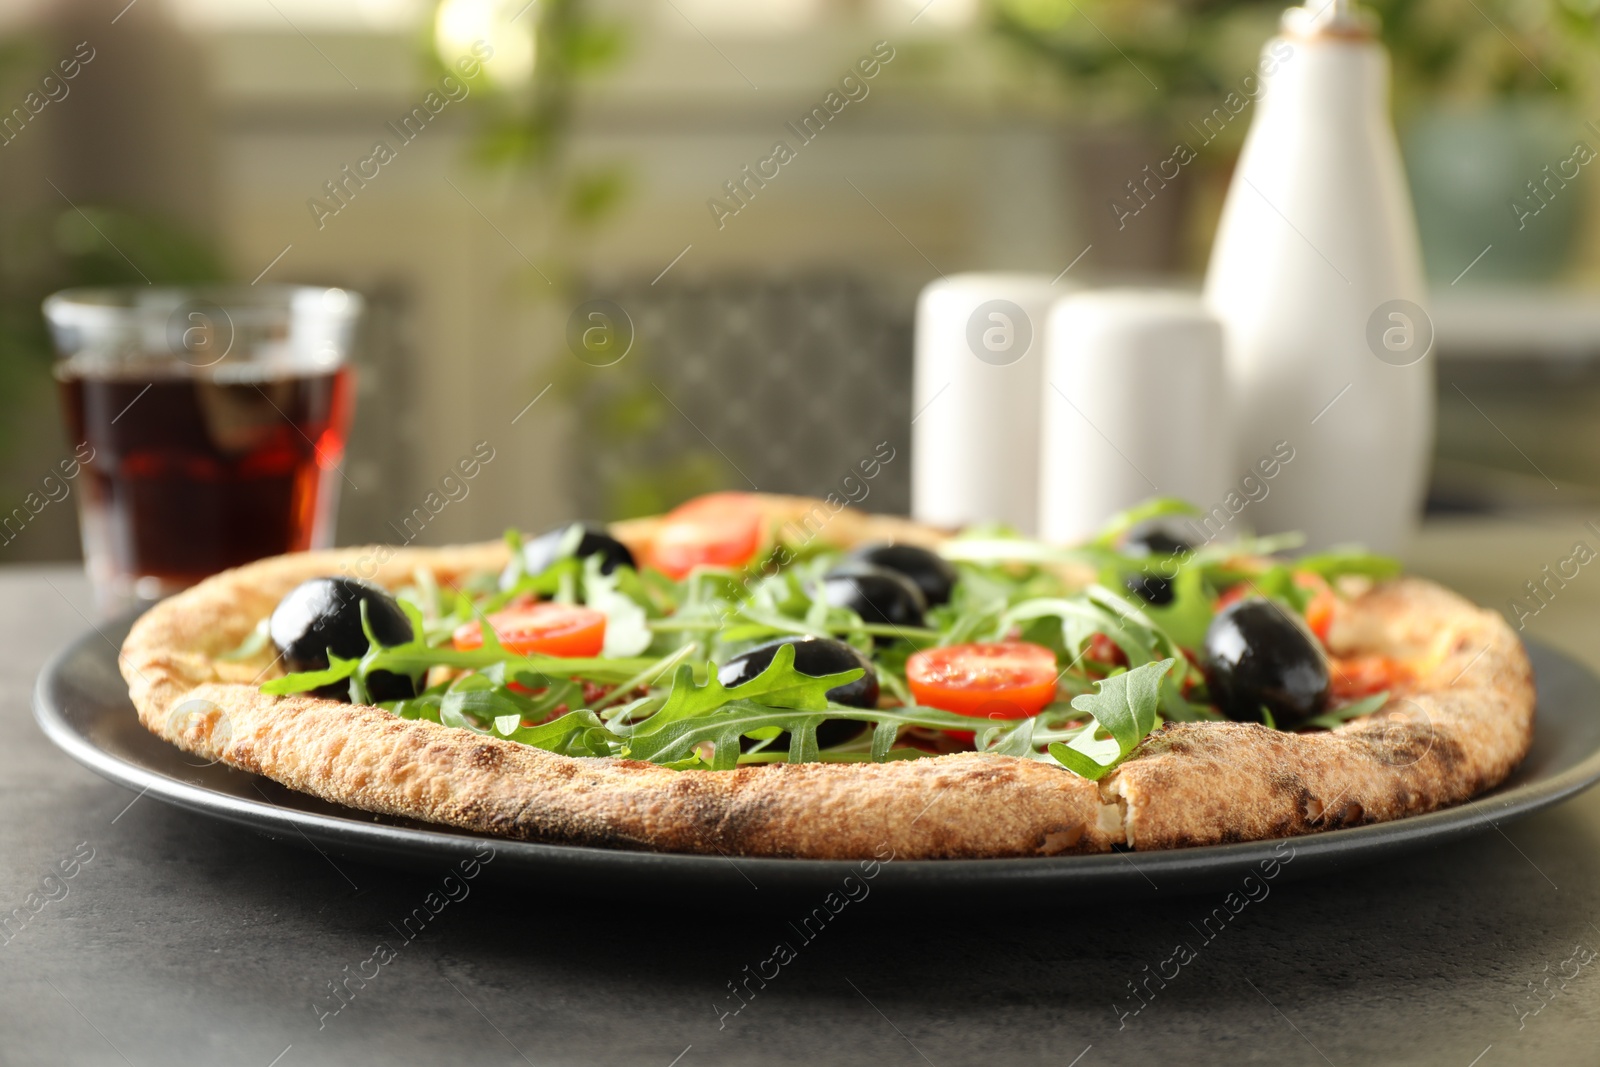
(82,704)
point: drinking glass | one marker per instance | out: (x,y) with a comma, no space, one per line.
(208,425)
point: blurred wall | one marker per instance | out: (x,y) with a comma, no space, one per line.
(202,129)
(232,124)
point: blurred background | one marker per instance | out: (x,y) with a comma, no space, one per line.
(602,155)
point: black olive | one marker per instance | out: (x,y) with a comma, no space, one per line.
(877,594)
(323,615)
(539,553)
(932,573)
(816,656)
(1260,654)
(1150,588)
(1151,538)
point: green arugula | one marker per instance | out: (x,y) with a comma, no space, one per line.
(1348,559)
(1125,708)
(665,637)
(1365,706)
(780,685)
(1155,508)
(723,728)
(336,671)
(1188,616)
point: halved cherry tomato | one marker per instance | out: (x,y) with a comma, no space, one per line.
(1233,595)
(1004,680)
(718,530)
(545,629)
(1320,609)
(1354,677)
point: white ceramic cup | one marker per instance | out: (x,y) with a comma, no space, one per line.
(975,399)
(1134,406)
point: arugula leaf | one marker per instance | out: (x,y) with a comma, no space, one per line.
(415,658)
(1081,618)
(678,739)
(304,681)
(834,757)
(1348,559)
(474,702)
(1154,508)
(1125,707)
(647,676)
(780,685)
(1277,583)
(1008,740)
(1365,706)
(576,733)
(257,641)
(424,707)
(1188,616)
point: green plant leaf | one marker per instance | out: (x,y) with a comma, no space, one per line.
(1008,740)
(1125,707)
(425,707)
(476,702)
(257,641)
(1154,508)
(560,735)
(678,739)
(1348,559)
(780,686)
(337,671)
(1365,706)
(1188,616)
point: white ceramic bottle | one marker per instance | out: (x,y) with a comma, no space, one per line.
(975,399)
(1316,277)
(1134,386)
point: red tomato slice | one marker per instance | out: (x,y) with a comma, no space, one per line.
(544,629)
(1360,676)
(717,530)
(1005,680)
(1233,595)
(1320,611)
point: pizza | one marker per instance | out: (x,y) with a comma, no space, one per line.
(758,675)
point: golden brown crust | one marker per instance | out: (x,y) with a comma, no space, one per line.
(1462,729)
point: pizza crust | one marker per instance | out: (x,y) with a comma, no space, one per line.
(1461,729)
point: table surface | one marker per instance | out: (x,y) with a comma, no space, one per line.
(180,940)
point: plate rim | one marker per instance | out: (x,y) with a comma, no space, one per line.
(1372,840)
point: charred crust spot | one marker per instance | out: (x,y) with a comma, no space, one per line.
(1349,814)
(1448,751)
(485,758)
(1302,807)
(1288,784)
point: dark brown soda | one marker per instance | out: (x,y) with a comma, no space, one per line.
(195,473)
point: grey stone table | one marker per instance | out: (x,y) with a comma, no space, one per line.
(140,934)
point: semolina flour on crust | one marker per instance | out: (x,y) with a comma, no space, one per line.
(1460,728)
